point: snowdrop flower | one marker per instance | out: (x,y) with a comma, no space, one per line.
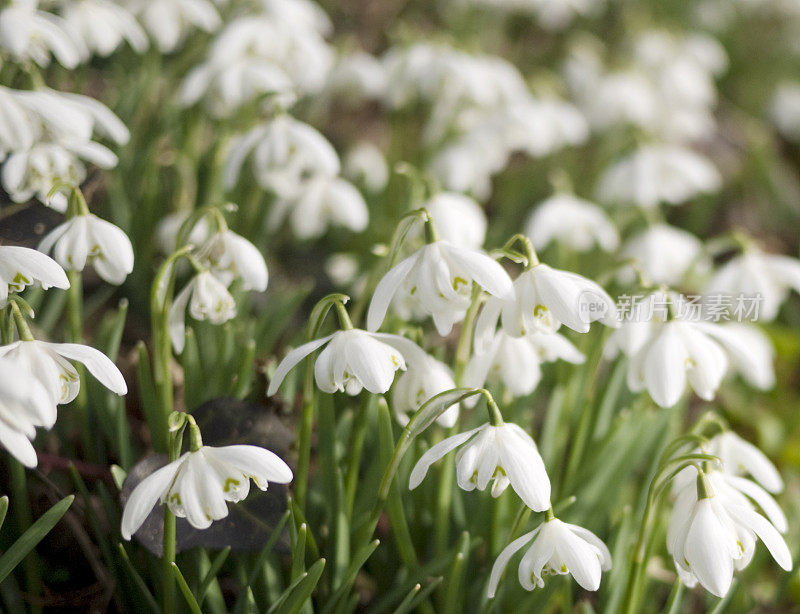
(24,405)
(678,351)
(544,298)
(207,299)
(169,21)
(740,457)
(785,110)
(538,127)
(424,378)
(354,359)
(458,218)
(709,536)
(33,172)
(230,256)
(199,484)
(170,225)
(87,239)
(49,364)
(503,454)
(750,352)
(572,221)
(665,254)
(438,278)
(638,323)
(365,165)
(285,153)
(757,274)
(516,361)
(321,201)
(658,173)
(468,164)
(104,26)
(22,266)
(557,548)
(27,33)
(357,75)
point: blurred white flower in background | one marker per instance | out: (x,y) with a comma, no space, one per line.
(199,484)
(103,26)
(170,225)
(501,454)
(357,75)
(169,22)
(21,267)
(459,219)
(664,254)
(785,109)
(557,548)
(577,223)
(656,174)
(365,165)
(87,239)
(424,378)
(28,33)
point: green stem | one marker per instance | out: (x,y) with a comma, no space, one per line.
(22,513)
(175,441)
(23,330)
(304,438)
(464,347)
(355,451)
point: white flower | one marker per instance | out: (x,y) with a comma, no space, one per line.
(24,405)
(664,254)
(710,536)
(572,221)
(503,455)
(658,173)
(18,127)
(785,110)
(438,278)
(750,352)
(544,298)
(207,299)
(458,218)
(22,266)
(49,363)
(558,548)
(321,201)
(87,239)
(366,165)
(30,34)
(424,378)
(230,256)
(169,226)
(676,351)
(103,26)
(353,359)
(467,164)
(740,457)
(285,153)
(357,75)
(515,361)
(198,485)
(169,21)
(759,275)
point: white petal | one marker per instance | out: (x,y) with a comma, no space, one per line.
(436,452)
(95,361)
(766,532)
(707,549)
(291,359)
(386,289)
(483,269)
(504,557)
(145,496)
(259,463)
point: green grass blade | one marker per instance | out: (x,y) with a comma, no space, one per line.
(216,565)
(187,592)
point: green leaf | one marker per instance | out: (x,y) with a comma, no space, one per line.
(417,596)
(3,509)
(350,576)
(301,592)
(187,592)
(216,565)
(27,542)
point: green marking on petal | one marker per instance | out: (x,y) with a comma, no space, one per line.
(230,482)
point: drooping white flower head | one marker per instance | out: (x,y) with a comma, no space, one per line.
(657,174)
(207,299)
(24,405)
(170,225)
(87,239)
(321,201)
(103,26)
(516,361)
(28,33)
(544,298)
(22,266)
(230,256)
(674,352)
(285,152)
(199,484)
(750,352)
(503,455)
(49,364)
(424,378)
(755,274)
(357,75)
(354,359)
(557,548)
(169,21)
(665,254)
(711,534)
(366,165)
(438,279)
(571,221)
(459,219)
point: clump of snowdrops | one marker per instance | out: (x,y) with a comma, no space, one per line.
(503,287)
